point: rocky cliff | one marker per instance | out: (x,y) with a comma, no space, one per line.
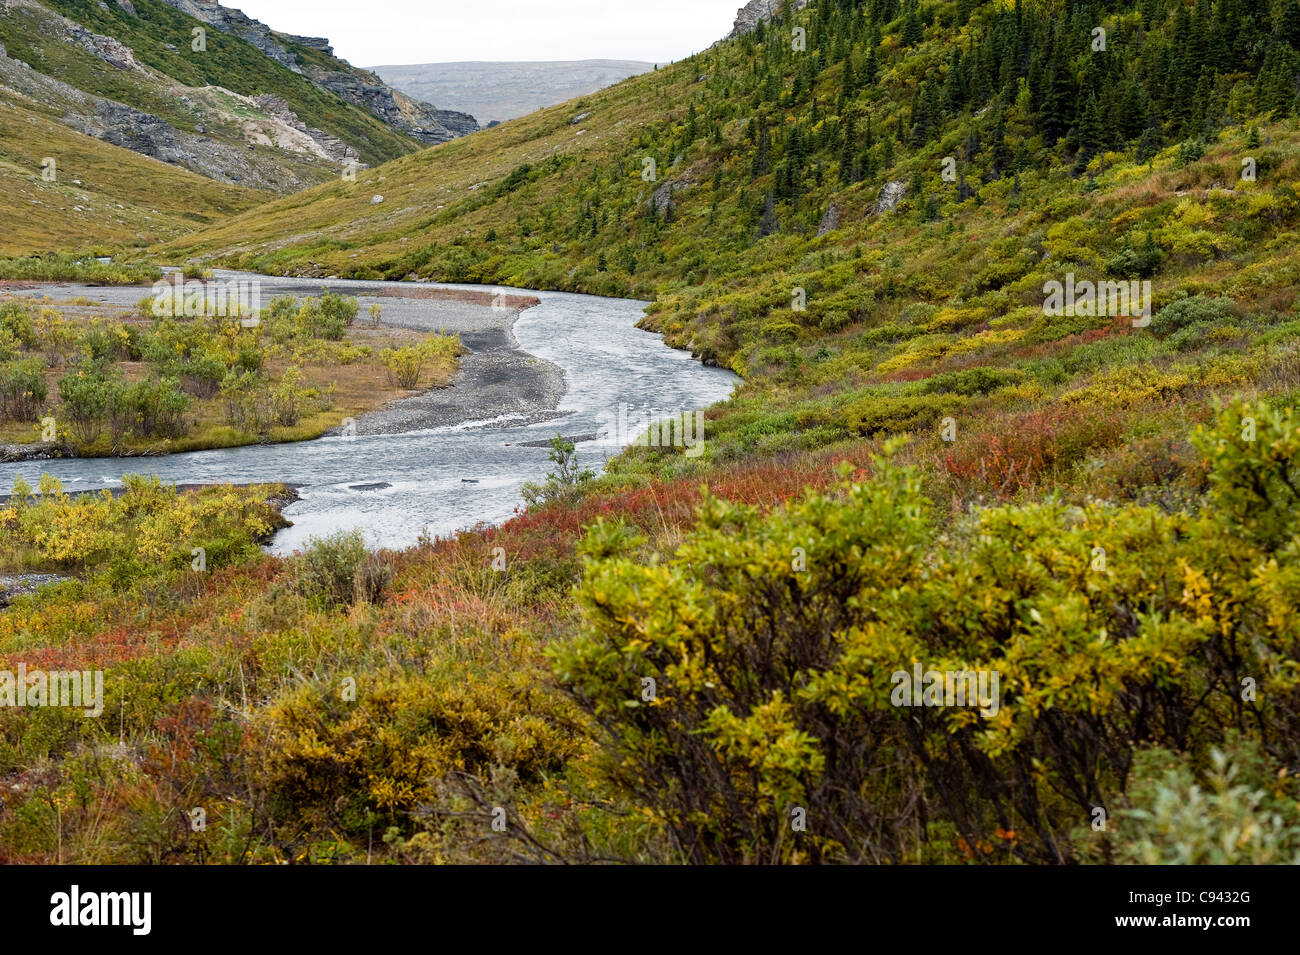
(416,119)
(411,116)
(751,14)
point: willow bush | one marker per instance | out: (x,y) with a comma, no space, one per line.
(769,643)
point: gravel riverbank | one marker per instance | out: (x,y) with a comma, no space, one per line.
(497,381)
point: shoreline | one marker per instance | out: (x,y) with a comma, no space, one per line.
(495,379)
(14,585)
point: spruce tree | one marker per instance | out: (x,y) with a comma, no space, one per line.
(913,33)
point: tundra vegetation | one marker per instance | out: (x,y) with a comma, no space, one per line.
(144,382)
(683,658)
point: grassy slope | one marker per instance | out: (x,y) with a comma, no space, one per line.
(228,62)
(432,198)
(125,199)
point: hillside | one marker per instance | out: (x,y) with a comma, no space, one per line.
(498,91)
(992,559)
(100,196)
(202,87)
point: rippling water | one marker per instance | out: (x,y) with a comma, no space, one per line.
(606,360)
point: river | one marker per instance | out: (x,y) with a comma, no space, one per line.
(395,487)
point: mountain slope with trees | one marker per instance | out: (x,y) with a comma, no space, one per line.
(930,469)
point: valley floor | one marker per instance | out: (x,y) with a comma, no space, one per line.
(494,377)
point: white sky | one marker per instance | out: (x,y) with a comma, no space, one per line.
(388,32)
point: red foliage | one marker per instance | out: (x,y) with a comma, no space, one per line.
(1018,450)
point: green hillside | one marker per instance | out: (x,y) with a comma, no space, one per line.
(101,196)
(937,466)
(160,37)
(1122,163)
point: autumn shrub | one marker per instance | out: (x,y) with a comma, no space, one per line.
(1010,453)
(22,389)
(772,642)
(16,321)
(343,755)
(407,364)
(147,529)
(893,414)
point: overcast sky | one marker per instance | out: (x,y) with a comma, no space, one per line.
(388,32)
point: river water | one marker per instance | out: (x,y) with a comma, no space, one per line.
(607,361)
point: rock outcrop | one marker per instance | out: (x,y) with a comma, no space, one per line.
(755,12)
(418,120)
(891,194)
(360,87)
(830,221)
(236,23)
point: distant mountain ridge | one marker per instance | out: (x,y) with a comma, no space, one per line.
(496,92)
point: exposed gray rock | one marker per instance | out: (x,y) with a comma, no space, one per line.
(418,120)
(334,147)
(663,196)
(111,51)
(751,14)
(831,221)
(237,24)
(359,87)
(891,194)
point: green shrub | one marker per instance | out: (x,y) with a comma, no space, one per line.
(339,308)
(71,268)
(969,382)
(1192,310)
(1142,260)
(22,389)
(157,407)
(338,570)
(202,377)
(1242,810)
(562,484)
(90,393)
